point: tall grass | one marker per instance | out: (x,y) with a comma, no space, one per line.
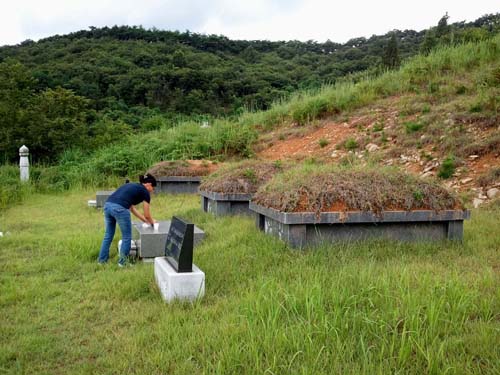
(130,158)
(11,189)
(186,141)
(304,107)
(354,308)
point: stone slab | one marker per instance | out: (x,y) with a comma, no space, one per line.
(101,197)
(92,203)
(225,197)
(152,242)
(358,216)
(178,286)
(178,185)
(221,204)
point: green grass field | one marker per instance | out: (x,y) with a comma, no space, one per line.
(372,308)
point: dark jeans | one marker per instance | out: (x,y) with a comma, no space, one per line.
(114,213)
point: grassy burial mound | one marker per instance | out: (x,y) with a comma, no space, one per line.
(183,168)
(181,176)
(241,178)
(326,189)
(308,207)
(229,190)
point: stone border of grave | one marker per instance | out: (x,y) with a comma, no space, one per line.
(178,184)
(302,229)
(221,204)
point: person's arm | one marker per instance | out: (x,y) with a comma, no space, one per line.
(147,213)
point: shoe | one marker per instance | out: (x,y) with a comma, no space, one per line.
(122,261)
(121,265)
(125,262)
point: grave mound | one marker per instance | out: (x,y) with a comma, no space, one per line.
(328,190)
(181,176)
(311,205)
(241,178)
(183,168)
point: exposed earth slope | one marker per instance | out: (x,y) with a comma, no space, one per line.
(404,131)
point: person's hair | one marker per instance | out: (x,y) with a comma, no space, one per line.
(147,178)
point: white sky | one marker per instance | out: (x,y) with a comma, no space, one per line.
(303,20)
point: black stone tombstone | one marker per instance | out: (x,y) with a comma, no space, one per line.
(179,245)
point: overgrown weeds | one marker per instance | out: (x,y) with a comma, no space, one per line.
(447,167)
(322,189)
(490,177)
(183,168)
(483,147)
(243,177)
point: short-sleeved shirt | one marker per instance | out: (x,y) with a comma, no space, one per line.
(129,195)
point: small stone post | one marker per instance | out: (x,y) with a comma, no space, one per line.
(24,163)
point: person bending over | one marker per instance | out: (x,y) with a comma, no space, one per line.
(117,210)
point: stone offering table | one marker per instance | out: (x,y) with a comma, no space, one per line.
(221,204)
(178,184)
(151,243)
(305,229)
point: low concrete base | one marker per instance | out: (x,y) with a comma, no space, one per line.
(307,229)
(92,203)
(174,285)
(151,243)
(133,248)
(221,204)
(178,185)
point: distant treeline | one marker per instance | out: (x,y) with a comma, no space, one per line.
(92,86)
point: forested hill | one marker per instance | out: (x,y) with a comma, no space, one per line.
(194,73)
(93,87)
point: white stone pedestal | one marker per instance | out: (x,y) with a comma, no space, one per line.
(178,285)
(24,163)
(133,248)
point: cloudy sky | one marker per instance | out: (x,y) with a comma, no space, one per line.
(318,20)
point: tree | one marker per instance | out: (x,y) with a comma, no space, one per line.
(16,94)
(429,42)
(179,59)
(250,55)
(391,54)
(443,28)
(58,122)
